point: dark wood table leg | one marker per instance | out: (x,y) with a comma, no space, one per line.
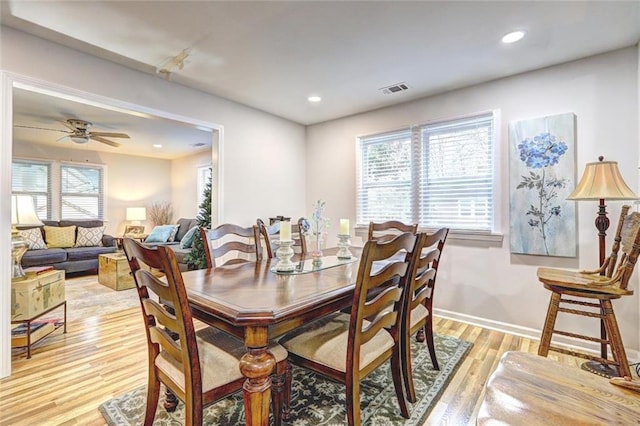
(257,365)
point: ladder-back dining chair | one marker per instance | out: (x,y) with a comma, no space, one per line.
(599,287)
(271,233)
(419,302)
(200,367)
(228,244)
(347,347)
(389,229)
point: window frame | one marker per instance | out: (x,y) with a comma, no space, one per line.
(55,186)
(418,161)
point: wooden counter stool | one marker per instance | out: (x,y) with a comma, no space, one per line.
(595,289)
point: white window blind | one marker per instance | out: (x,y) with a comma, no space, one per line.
(33,178)
(436,174)
(457,174)
(386,177)
(81,195)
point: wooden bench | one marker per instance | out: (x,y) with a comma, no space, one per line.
(526,389)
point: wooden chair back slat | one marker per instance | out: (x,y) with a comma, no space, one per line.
(389,229)
(230,239)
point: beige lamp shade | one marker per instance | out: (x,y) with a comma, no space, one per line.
(136,214)
(602,180)
(23,211)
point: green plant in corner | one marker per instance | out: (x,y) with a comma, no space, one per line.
(196,258)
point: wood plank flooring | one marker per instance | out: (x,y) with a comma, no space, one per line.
(70,375)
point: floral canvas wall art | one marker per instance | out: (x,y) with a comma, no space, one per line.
(542,175)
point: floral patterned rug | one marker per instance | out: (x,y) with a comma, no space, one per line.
(318,401)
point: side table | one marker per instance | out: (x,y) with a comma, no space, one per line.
(139,237)
(114,272)
(33,297)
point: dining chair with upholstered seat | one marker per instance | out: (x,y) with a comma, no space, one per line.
(271,233)
(419,301)
(199,367)
(389,229)
(590,294)
(229,243)
(347,347)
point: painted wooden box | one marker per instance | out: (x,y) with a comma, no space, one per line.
(36,294)
(114,272)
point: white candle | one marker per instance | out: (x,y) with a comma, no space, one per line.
(344,226)
(285,231)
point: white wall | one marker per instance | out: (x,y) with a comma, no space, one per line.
(184,184)
(262,155)
(483,282)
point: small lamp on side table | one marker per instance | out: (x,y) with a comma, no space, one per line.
(23,213)
(601,181)
(136,214)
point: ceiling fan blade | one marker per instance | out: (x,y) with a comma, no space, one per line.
(40,128)
(59,139)
(103,140)
(109,134)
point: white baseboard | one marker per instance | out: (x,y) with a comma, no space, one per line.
(633,356)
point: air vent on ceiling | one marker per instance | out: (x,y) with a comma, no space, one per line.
(394,88)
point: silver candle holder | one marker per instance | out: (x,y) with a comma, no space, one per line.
(343,247)
(284,253)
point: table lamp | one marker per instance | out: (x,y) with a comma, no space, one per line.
(136,214)
(23,213)
(601,181)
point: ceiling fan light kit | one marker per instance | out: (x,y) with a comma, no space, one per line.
(79,139)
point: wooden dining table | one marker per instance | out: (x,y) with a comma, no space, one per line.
(256,304)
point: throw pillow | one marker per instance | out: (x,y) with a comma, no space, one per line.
(60,236)
(187,240)
(33,237)
(89,237)
(172,237)
(160,234)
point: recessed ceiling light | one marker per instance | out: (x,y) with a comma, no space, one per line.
(157,145)
(314,98)
(512,37)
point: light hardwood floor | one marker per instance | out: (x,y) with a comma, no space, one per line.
(70,375)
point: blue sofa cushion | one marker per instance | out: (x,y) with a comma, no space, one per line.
(160,234)
(85,253)
(43,257)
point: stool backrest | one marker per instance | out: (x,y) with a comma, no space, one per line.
(628,238)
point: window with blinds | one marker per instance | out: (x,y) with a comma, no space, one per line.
(61,190)
(33,178)
(81,194)
(436,174)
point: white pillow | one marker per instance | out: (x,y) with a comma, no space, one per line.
(34,238)
(89,237)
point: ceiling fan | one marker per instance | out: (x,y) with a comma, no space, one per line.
(79,132)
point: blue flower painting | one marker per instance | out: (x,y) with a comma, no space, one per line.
(542,173)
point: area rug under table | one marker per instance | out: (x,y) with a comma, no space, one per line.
(319,401)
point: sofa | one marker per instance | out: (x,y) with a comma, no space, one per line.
(176,243)
(77,255)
